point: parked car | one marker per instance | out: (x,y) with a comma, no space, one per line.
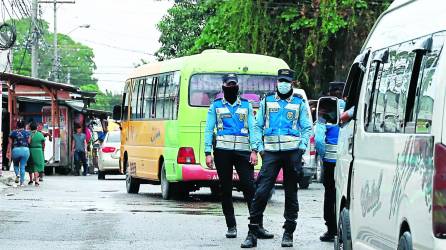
(109,155)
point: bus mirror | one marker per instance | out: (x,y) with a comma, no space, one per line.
(117,113)
(328,110)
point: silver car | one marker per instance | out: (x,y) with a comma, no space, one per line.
(108,162)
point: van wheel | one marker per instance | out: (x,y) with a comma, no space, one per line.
(101,175)
(405,242)
(166,186)
(344,239)
(132,184)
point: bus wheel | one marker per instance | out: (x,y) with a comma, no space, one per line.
(166,187)
(344,238)
(405,241)
(131,183)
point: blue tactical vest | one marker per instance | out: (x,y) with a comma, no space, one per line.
(331,143)
(281,132)
(232,125)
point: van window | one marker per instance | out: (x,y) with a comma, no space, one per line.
(387,97)
(204,88)
(424,101)
(354,82)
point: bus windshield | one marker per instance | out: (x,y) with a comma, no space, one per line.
(204,88)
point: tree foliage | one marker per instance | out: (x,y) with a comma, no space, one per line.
(182,25)
(317,38)
(75,59)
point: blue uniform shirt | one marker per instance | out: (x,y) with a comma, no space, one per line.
(234,128)
(281,123)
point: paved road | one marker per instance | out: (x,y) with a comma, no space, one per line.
(68,212)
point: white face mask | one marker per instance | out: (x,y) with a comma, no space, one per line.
(284,87)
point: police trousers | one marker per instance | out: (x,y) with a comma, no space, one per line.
(329,196)
(225,160)
(291,162)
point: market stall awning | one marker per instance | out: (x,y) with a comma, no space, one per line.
(31,81)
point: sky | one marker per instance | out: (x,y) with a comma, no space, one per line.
(121,33)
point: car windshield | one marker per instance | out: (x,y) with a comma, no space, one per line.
(204,88)
(114,137)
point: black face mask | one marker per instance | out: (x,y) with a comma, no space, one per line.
(284,96)
(230,93)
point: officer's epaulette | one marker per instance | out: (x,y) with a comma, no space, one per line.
(218,99)
(299,95)
(243,99)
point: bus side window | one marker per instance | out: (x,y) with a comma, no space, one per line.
(134,101)
(171,96)
(125,102)
(161,97)
(148,97)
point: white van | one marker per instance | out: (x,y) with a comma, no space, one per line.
(391,168)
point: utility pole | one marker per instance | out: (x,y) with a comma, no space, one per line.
(35,40)
(56,65)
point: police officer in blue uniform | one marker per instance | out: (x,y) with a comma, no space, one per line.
(236,145)
(283,129)
(326,139)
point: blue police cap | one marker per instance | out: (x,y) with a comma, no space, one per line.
(333,86)
(285,75)
(231,77)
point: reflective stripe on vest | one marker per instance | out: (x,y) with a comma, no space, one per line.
(281,142)
(233,142)
(270,107)
(330,151)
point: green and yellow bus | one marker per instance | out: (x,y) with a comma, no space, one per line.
(163,116)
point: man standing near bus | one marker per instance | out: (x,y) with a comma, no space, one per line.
(236,145)
(326,139)
(283,122)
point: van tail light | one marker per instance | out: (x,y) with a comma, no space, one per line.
(186,155)
(312,146)
(108,149)
(439,193)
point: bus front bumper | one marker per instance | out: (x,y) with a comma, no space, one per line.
(193,172)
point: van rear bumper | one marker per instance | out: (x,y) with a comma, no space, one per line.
(194,172)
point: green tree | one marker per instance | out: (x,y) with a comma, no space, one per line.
(182,25)
(76,60)
(317,38)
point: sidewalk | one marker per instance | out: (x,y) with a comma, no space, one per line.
(7,179)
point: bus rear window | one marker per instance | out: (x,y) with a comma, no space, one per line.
(204,88)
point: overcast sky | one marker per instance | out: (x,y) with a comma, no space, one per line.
(121,33)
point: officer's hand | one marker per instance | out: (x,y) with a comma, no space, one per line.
(253,158)
(210,162)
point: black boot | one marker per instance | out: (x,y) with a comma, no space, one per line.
(264,234)
(327,237)
(232,232)
(251,239)
(287,239)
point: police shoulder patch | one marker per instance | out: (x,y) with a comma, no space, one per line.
(298,95)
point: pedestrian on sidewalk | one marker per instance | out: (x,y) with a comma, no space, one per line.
(18,145)
(284,125)
(45,134)
(236,146)
(36,146)
(79,150)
